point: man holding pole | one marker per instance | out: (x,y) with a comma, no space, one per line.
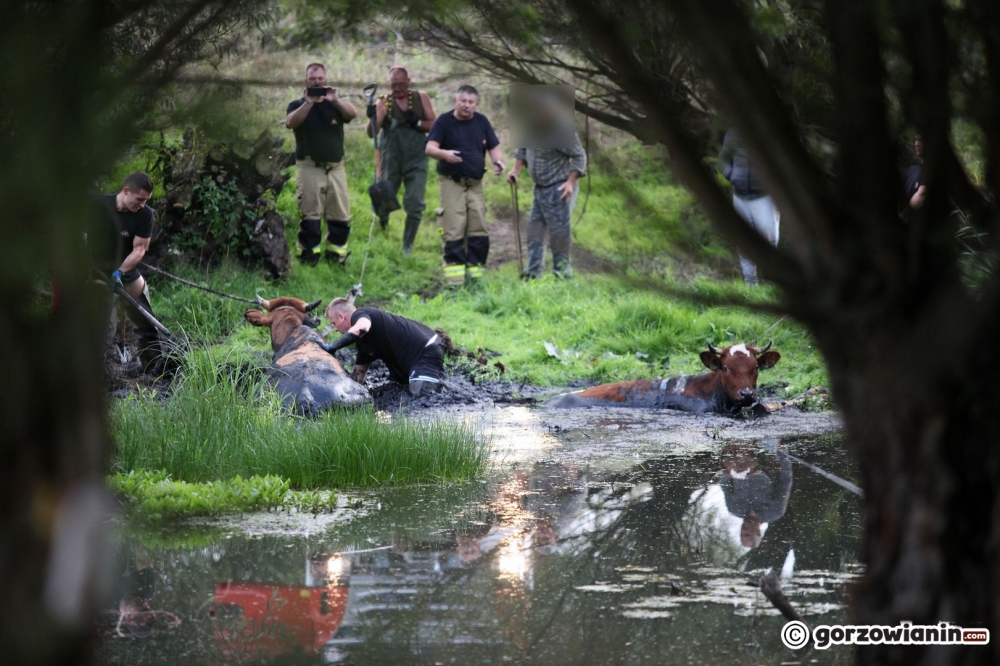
(404,117)
(117,243)
(459,141)
(555,163)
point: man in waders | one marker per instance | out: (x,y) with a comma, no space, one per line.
(117,241)
(404,139)
(460,141)
(318,119)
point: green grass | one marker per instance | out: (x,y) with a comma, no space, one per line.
(221,423)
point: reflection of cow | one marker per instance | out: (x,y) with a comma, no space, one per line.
(730,386)
(308,378)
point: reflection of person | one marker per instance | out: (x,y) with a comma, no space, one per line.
(118,243)
(403,142)
(916,191)
(751,493)
(749,199)
(459,141)
(554,172)
(134,587)
(318,122)
(410,350)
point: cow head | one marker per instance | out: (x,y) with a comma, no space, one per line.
(737,366)
(284,315)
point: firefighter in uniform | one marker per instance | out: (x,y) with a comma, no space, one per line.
(318,122)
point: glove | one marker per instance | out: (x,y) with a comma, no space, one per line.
(370,111)
(411,118)
(117,276)
(346,340)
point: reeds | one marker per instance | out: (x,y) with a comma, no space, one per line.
(224,421)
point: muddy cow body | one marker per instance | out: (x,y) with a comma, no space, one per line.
(730,387)
(308,379)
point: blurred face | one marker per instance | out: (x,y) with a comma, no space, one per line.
(400,83)
(133,200)
(315,76)
(465,106)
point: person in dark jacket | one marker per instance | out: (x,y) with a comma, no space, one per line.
(916,191)
(749,200)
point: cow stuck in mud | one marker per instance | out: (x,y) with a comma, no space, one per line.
(729,388)
(308,379)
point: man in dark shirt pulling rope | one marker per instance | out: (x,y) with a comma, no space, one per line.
(117,243)
(410,350)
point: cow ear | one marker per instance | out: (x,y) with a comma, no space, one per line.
(711,360)
(256,317)
(768,359)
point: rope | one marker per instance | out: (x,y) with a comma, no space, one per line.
(197,286)
(770,328)
(586,151)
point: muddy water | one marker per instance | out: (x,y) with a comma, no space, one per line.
(602,538)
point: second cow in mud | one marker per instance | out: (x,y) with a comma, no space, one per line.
(308,379)
(729,388)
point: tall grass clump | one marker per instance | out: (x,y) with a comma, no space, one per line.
(223,420)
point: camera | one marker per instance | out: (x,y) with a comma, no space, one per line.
(316,91)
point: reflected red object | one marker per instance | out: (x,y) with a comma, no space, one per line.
(256,620)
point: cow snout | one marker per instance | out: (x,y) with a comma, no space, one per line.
(746,393)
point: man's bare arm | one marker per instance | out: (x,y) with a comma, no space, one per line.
(429,115)
(139,247)
(298,116)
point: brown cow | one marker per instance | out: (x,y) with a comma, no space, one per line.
(730,387)
(308,379)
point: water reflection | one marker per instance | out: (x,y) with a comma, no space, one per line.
(556,562)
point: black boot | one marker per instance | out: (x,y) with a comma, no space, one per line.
(410,235)
(150,347)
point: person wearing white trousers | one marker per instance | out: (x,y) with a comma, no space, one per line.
(749,200)
(760,214)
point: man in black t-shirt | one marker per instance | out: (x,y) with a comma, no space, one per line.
(318,122)
(459,141)
(117,240)
(410,350)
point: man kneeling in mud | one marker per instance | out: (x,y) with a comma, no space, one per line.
(410,350)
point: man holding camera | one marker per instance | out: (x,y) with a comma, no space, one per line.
(459,141)
(404,117)
(318,120)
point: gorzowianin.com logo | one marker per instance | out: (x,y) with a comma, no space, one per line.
(796,635)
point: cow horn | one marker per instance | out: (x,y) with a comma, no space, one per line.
(312,306)
(760,350)
(261,302)
(715,350)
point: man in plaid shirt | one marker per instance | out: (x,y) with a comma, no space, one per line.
(554,171)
